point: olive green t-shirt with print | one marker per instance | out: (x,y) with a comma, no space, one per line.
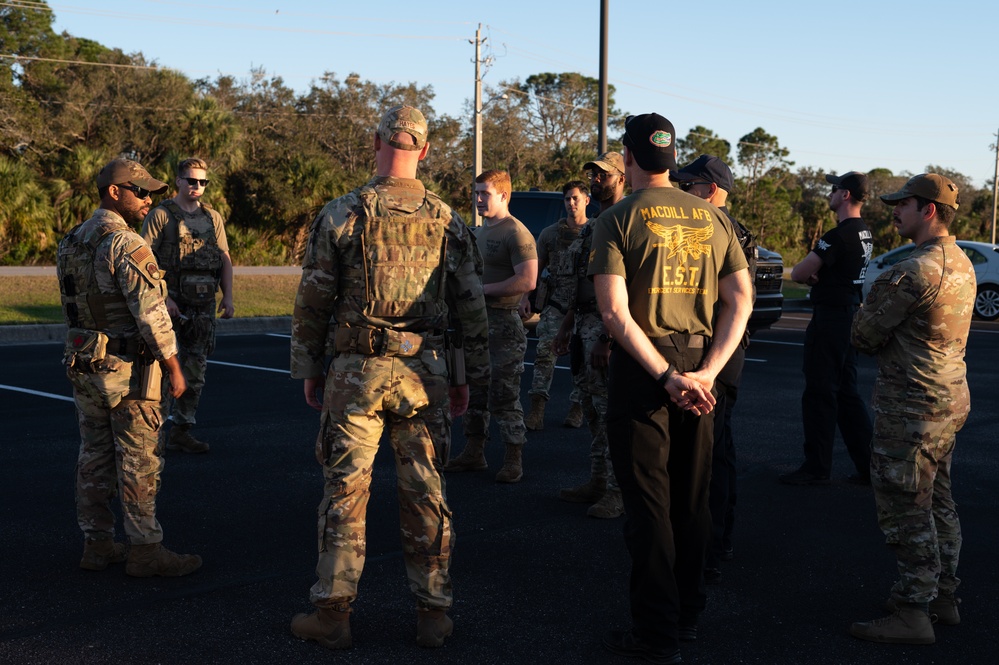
(671,248)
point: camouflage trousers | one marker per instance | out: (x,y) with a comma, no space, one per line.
(910,472)
(507,346)
(365,395)
(119,455)
(195,341)
(591,382)
(544,357)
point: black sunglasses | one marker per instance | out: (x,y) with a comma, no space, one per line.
(685,186)
(194,182)
(139,192)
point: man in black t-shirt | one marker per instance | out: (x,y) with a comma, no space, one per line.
(835,270)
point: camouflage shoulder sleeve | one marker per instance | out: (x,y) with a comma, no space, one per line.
(892,298)
(317,290)
(141,283)
(466,302)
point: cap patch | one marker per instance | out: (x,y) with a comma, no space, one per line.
(661,138)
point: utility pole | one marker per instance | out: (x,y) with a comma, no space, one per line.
(477,160)
(995,191)
(602,115)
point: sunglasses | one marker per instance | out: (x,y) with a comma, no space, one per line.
(685,186)
(139,192)
(194,182)
(598,175)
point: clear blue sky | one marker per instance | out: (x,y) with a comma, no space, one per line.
(843,86)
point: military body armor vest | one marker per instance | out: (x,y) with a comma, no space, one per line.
(397,270)
(83,304)
(193,274)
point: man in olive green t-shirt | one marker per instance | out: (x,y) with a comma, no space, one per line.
(661,259)
(510,270)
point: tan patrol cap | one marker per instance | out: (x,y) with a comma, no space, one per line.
(119,171)
(930,186)
(611,162)
(403,119)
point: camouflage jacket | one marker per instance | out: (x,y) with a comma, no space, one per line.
(127,284)
(916,319)
(326,292)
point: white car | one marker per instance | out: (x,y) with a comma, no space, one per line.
(984,256)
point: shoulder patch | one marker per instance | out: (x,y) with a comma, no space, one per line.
(142,258)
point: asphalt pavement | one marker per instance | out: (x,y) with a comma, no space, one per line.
(535,580)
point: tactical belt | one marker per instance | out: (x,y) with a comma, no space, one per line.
(124,346)
(681,341)
(383,341)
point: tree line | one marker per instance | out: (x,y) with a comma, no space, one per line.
(277,155)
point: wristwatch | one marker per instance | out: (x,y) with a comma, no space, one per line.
(605,338)
(664,377)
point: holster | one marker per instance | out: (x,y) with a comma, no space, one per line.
(152,379)
(454,351)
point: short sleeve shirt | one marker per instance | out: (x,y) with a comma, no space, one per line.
(503,245)
(672,248)
(845,252)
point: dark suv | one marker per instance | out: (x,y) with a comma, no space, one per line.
(538,209)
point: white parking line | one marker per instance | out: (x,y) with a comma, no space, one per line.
(36,392)
(773,341)
(262,369)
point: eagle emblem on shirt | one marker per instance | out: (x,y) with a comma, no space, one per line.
(684,240)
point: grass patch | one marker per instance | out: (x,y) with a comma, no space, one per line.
(793,290)
(25,300)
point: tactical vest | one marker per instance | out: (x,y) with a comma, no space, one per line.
(194,273)
(397,271)
(83,304)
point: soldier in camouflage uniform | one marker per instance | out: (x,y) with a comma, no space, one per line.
(916,319)
(387,267)
(119,332)
(510,271)
(551,297)
(583,336)
(188,237)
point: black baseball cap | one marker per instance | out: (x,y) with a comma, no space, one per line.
(853,181)
(710,168)
(651,139)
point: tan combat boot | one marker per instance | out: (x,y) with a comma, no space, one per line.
(472,458)
(908,624)
(588,492)
(150,560)
(180,439)
(535,420)
(328,626)
(98,554)
(575,416)
(608,507)
(943,609)
(432,627)
(513,469)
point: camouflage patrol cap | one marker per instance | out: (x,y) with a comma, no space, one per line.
(120,171)
(930,186)
(611,162)
(403,119)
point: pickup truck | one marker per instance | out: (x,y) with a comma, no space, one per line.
(537,210)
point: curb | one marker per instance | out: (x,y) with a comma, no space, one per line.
(56,332)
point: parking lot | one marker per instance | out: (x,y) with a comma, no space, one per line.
(535,579)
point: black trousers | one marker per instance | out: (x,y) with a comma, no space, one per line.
(662,460)
(831,397)
(722,496)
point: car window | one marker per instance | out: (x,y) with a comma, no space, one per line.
(893,257)
(976,257)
